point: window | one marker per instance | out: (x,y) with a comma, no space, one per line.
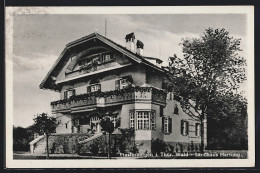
(171,96)
(69,93)
(166,125)
(197,129)
(145,120)
(106,57)
(93,88)
(113,119)
(176,109)
(132,119)
(142,120)
(184,127)
(153,120)
(123,82)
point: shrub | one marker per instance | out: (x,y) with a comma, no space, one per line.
(158,146)
(134,149)
(94,148)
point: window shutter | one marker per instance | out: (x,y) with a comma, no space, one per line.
(74,92)
(170,124)
(197,129)
(187,128)
(163,124)
(117,84)
(113,57)
(88,89)
(65,94)
(182,127)
(161,111)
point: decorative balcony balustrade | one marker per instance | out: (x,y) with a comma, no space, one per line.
(102,99)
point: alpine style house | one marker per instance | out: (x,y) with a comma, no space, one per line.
(96,77)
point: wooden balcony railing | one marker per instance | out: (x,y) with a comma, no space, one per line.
(96,99)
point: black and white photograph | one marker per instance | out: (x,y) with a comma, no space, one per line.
(130,87)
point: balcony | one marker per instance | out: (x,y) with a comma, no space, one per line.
(111,98)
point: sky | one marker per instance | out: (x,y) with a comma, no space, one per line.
(38,40)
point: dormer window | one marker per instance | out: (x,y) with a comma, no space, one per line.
(69,93)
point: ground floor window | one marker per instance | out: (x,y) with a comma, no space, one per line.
(197,129)
(184,127)
(166,124)
(142,120)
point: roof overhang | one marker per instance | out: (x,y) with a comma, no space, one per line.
(49,80)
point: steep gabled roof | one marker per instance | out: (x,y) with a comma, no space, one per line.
(53,72)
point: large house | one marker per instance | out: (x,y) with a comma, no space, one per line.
(96,77)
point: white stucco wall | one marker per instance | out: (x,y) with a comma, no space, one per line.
(176,135)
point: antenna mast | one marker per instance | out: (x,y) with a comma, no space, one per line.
(105,27)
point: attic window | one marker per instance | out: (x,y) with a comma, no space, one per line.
(99,58)
(106,58)
(176,109)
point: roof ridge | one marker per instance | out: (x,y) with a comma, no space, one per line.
(81,39)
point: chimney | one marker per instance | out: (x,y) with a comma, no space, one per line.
(140,47)
(130,41)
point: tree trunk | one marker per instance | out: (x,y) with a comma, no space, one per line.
(109,145)
(47,147)
(202,135)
